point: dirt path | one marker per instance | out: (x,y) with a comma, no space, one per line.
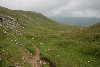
(33,62)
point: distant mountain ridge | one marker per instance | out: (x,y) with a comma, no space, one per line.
(80,21)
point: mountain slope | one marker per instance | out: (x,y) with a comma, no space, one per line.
(60,45)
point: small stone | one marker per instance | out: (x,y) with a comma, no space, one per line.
(23,58)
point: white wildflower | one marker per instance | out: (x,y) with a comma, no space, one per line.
(5,32)
(48,49)
(33,38)
(41,43)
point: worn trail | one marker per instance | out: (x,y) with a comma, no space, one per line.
(34,62)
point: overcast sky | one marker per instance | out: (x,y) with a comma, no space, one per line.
(62,8)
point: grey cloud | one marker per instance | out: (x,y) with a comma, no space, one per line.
(84,9)
(67,8)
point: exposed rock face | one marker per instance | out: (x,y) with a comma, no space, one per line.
(8,21)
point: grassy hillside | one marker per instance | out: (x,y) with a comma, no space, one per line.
(59,44)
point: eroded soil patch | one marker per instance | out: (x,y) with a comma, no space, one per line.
(48,62)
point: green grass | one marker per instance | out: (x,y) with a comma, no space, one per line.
(60,43)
